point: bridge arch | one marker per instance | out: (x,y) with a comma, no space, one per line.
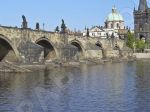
(101,47)
(50,52)
(7,47)
(81,51)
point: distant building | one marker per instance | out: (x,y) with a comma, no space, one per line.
(114,24)
(101,32)
(114,20)
(142,20)
(95,31)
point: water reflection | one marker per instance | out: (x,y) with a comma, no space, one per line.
(119,87)
(142,86)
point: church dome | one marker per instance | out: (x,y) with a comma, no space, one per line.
(114,16)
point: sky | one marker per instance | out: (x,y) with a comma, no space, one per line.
(76,13)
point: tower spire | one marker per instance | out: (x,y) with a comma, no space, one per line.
(143,5)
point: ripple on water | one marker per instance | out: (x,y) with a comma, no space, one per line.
(117,87)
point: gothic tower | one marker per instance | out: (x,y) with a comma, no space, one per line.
(142,20)
(143,5)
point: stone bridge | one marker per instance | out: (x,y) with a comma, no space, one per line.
(28,45)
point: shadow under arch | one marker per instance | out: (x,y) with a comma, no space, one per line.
(81,51)
(7,50)
(99,44)
(50,52)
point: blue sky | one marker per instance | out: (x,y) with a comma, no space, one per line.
(76,13)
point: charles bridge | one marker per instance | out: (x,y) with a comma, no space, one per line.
(35,46)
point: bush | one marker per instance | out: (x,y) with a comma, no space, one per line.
(130,40)
(140,45)
(133,42)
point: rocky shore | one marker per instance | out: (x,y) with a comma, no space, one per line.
(21,68)
(10,67)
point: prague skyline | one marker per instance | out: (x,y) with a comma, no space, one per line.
(77,14)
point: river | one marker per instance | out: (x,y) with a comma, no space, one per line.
(117,87)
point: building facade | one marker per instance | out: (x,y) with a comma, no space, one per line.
(101,32)
(114,20)
(114,24)
(142,20)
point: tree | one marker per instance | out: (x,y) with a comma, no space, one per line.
(130,40)
(147,44)
(140,45)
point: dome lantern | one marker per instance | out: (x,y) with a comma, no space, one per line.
(114,15)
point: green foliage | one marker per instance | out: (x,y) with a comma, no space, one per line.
(130,40)
(147,44)
(140,45)
(133,42)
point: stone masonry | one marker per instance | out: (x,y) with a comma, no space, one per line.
(35,46)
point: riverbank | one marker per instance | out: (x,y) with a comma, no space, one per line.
(51,65)
(142,55)
(10,67)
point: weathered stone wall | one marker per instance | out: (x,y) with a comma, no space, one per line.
(142,55)
(31,53)
(89,49)
(69,53)
(11,57)
(94,54)
(113,53)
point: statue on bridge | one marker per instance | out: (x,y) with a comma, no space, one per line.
(112,36)
(107,35)
(37,26)
(88,33)
(24,23)
(57,29)
(63,27)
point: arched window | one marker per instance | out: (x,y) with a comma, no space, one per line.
(112,26)
(118,25)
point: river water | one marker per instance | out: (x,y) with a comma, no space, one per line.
(117,87)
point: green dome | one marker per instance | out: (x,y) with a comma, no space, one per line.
(114,16)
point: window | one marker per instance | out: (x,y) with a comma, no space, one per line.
(118,25)
(112,25)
